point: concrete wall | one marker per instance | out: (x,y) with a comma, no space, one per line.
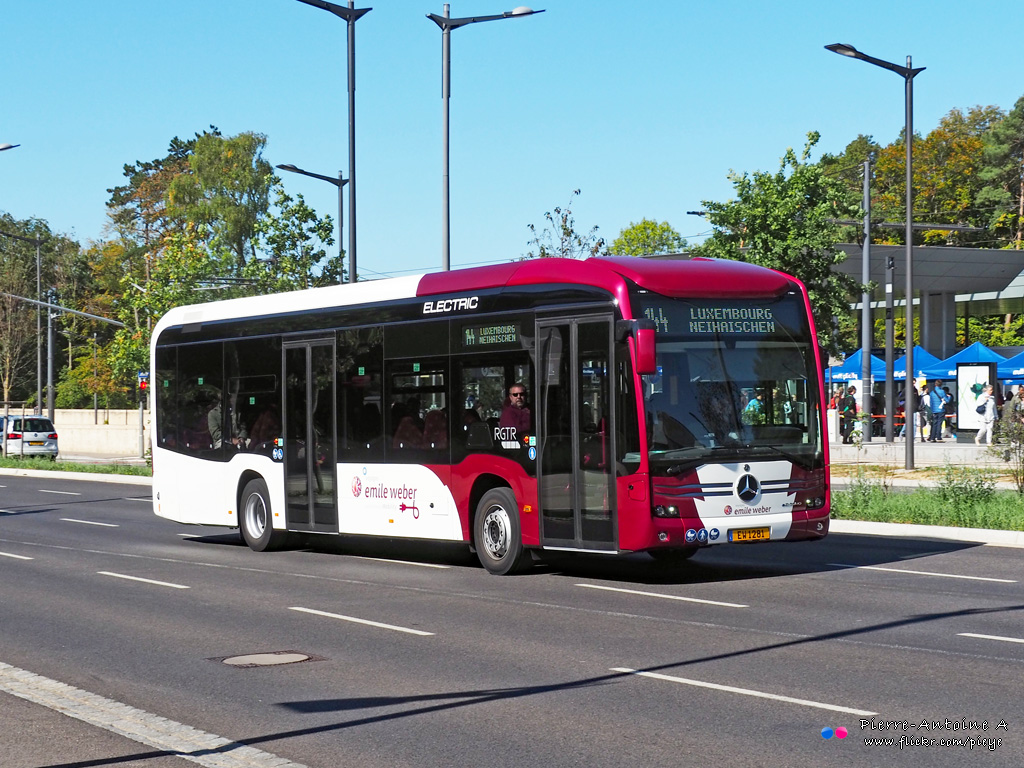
(116,434)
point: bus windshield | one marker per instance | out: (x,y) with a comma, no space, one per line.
(736,379)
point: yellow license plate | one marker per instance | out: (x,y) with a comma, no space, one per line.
(751,534)
(36,442)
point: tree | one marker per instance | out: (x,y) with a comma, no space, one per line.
(138,210)
(647,237)
(227,191)
(292,253)
(17,318)
(175,280)
(946,177)
(560,238)
(1002,174)
(785,221)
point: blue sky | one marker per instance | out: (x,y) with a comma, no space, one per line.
(644,107)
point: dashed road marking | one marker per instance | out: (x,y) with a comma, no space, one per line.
(748,692)
(354,620)
(992,637)
(89,522)
(663,596)
(144,581)
(921,573)
(16,557)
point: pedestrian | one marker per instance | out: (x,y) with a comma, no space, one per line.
(937,399)
(988,415)
(848,413)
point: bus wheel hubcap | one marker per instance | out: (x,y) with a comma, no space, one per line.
(496,532)
(255,515)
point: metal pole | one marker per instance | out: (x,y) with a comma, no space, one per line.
(909,236)
(95,394)
(352,17)
(341,210)
(890,383)
(865,313)
(446,83)
(39,334)
(49,364)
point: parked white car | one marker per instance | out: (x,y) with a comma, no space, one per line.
(28,436)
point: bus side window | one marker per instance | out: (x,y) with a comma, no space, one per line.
(360,367)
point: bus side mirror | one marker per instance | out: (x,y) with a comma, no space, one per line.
(642,332)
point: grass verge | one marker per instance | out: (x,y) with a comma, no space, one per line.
(67,466)
(965,497)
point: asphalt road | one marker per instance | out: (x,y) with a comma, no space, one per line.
(412,655)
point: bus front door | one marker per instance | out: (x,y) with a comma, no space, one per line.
(310,464)
(576,468)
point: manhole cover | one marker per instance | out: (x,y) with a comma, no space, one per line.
(268,659)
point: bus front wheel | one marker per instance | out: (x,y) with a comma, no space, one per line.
(496,532)
(256,521)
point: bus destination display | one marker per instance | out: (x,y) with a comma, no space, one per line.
(499,336)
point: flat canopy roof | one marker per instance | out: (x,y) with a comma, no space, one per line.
(939,269)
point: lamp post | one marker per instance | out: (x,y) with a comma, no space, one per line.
(865,313)
(8,146)
(339,183)
(39,313)
(908,73)
(351,15)
(447,24)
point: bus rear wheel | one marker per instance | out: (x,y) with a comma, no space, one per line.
(497,534)
(255,519)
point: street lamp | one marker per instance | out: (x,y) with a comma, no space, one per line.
(351,15)
(908,73)
(447,24)
(339,183)
(8,146)
(39,313)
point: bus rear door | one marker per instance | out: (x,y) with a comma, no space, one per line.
(310,464)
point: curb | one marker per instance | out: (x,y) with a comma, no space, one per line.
(95,477)
(916,531)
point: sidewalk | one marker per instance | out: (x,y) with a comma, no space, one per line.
(949,451)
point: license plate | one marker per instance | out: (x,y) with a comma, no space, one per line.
(751,534)
(36,442)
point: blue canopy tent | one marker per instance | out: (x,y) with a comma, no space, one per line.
(1012,369)
(922,359)
(852,369)
(976,353)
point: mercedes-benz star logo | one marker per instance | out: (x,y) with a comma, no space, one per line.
(747,488)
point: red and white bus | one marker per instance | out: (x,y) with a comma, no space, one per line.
(670,405)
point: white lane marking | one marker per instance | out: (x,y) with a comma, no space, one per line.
(360,621)
(89,522)
(16,557)
(60,493)
(401,562)
(747,692)
(147,501)
(921,573)
(993,637)
(144,581)
(205,749)
(666,597)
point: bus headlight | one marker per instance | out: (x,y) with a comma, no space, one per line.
(666,511)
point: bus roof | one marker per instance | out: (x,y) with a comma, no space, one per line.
(698,278)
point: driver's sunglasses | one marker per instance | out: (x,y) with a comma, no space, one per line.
(517,394)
